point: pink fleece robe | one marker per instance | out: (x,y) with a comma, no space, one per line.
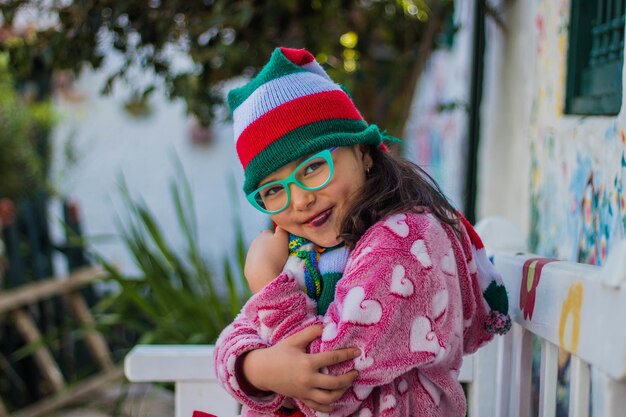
(409,299)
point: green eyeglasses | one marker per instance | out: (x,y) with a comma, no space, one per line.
(312,174)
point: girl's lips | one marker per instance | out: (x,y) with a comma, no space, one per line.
(320,219)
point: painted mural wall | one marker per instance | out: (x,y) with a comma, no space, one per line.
(560,176)
(436,130)
(578,165)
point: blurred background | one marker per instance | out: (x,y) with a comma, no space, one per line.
(121,213)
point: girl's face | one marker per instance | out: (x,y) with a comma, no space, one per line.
(317,215)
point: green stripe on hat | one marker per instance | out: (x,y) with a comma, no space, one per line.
(306,140)
(278,66)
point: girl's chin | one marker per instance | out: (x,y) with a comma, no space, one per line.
(326,243)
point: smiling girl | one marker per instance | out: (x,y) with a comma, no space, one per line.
(372,287)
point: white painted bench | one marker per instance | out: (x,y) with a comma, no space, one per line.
(580,308)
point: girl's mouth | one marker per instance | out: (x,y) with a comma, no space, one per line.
(320,219)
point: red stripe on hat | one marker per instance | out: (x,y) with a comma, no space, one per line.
(296,113)
(474,238)
(298,56)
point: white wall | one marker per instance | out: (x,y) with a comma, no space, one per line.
(504,152)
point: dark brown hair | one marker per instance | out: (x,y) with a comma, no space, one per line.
(394,185)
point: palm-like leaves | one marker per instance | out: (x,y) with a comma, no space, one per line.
(177,298)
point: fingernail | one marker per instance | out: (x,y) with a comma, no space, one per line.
(356,352)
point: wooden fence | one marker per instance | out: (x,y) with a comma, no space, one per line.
(36,303)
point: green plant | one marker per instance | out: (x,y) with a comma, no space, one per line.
(22,124)
(177,298)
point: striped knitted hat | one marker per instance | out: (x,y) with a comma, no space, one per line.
(289,110)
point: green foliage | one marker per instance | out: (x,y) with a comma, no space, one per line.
(22,165)
(371,46)
(177,298)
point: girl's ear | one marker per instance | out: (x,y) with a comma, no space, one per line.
(366,158)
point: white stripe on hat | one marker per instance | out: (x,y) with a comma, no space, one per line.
(276,92)
(316,68)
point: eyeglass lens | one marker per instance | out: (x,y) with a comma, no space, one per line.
(313,174)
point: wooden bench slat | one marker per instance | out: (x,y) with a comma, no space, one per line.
(503,375)
(580,384)
(548,379)
(520,382)
(31,293)
(614,393)
(478,394)
(145,363)
(49,368)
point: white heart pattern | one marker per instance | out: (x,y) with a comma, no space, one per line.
(441,355)
(418,249)
(360,256)
(400,285)
(433,391)
(423,339)
(363,362)
(329,332)
(448,263)
(388,402)
(403,386)
(295,270)
(397,224)
(439,305)
(362,391)
(358,310)
(266,324)
(366,412)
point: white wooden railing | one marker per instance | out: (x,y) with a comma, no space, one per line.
(577,307)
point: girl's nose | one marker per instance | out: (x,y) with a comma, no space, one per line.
(301,199)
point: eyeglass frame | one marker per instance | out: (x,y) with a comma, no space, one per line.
(326,154)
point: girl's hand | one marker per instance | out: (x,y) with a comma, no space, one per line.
(266,258)
(287,369)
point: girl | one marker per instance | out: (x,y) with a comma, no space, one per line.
(386,286)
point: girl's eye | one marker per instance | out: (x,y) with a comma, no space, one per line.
(272,191)
(313,166)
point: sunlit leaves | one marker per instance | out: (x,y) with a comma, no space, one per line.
(372,41)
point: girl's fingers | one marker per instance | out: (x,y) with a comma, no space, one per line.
(317,406)
(304,337)
(335,382)
(334,357)
(325,397)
